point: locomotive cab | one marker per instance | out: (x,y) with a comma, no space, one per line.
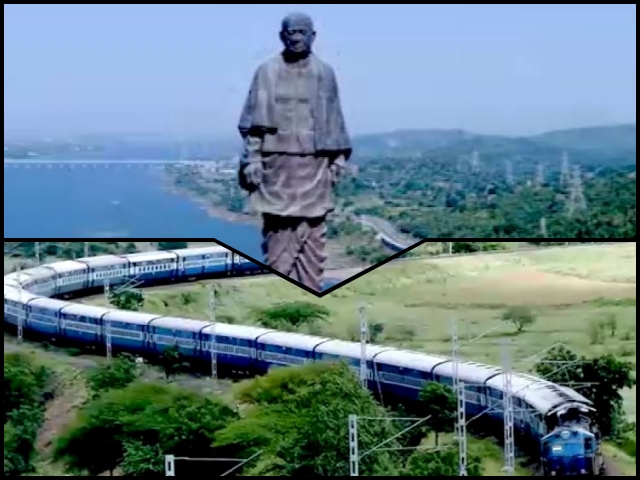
(572,451)
(573,448)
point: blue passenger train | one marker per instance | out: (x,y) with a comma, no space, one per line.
(555,419)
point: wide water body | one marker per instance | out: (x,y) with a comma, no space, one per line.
(111,202)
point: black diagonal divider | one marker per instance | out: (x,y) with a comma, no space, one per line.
(267,270)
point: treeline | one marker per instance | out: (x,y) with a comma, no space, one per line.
(26,389)
(290,422)
(67,250)
(429,198)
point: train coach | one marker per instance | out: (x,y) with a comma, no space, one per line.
(554,419)
(91,273)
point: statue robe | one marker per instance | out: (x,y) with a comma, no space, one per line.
(292,119)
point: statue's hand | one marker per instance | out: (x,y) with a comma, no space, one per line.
(337,169)
(250,172)
(251,175)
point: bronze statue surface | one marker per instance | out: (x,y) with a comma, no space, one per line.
(296,146)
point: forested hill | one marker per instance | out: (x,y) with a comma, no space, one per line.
(568,184)
(607,145)
(610,143)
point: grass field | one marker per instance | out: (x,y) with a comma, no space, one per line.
(568,290)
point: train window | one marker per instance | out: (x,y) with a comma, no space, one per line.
(588,444)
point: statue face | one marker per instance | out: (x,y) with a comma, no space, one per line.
(297,34)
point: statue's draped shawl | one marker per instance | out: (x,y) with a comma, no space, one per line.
(258,117)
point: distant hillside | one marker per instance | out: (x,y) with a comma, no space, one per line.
(620,137)
(607,145)
(410,141)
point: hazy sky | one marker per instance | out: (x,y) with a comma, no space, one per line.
(186,68)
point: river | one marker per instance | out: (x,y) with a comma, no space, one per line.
(116,202)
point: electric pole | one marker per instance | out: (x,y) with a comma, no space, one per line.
(107,322)
(214,340)
(509,440)
(461,420)
(364,338)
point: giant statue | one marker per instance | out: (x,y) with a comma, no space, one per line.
(296,146)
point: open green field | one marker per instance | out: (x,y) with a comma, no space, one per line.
(630,399)
(415,301)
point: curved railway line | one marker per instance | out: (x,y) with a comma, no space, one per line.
(552,420)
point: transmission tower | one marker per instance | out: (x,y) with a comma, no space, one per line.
(565,173)
(509,439)
(475,162)
(37,252)
(364,338)
(577,200)
(461,420)
(107,322)
(86,249)
(214,339)
(539,178)
(509,173)
(543,228)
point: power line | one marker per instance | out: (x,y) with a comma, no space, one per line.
(354,447)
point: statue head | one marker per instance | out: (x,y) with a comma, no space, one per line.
(297,34)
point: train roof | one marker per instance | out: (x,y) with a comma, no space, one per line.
(125,316)
(211,250)
(292,340)
(12,280)
(177,323)
(348,349)
(51,303)
(471,373)
(85,310)
(66,266)
(16,294)
(236,331)
(150,256)
(409,359)
(103,261)
(35,272)
(540,394)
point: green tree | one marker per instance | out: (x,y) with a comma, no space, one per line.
(171,361)
(603,378)
(119,373)
(440,406)
(297,417)
(135,426)
(132,300)
(291,315)
(520,316)
(172,245)
(26,384)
